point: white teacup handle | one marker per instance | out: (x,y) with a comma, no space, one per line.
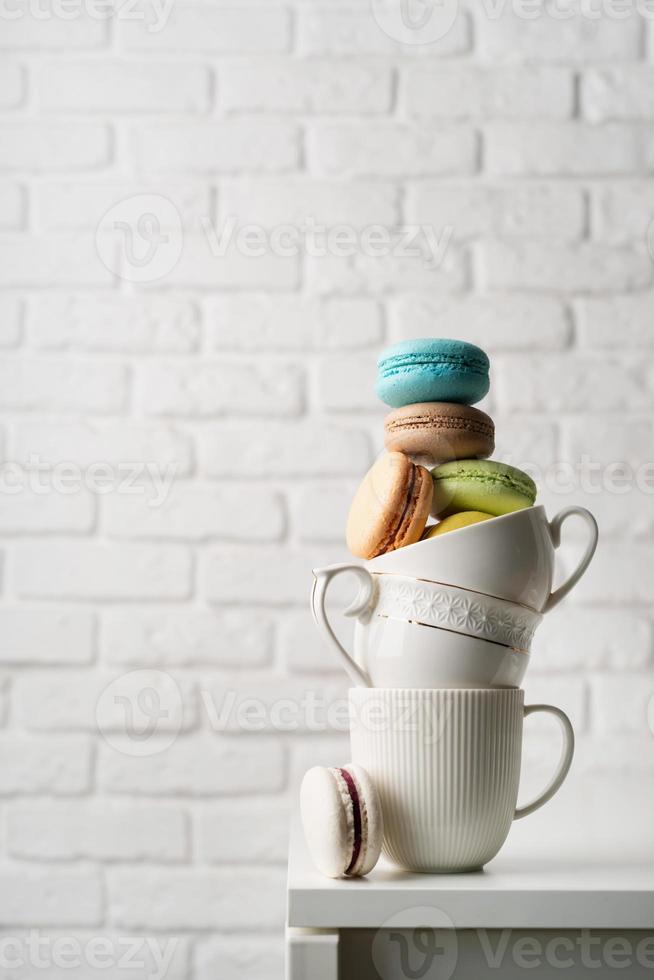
(564,762)
(361,605)
(555,530)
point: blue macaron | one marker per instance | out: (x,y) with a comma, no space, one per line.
(432,369)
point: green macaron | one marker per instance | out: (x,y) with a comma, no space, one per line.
(480,484)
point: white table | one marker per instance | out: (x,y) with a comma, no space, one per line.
(544,917)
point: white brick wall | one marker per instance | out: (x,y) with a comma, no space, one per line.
(236,393)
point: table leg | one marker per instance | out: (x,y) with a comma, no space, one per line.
(311,954)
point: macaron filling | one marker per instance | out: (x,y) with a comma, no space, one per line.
(401,362)
(356,817)
(449,422)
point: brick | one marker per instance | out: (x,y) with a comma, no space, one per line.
(619,574)
(195,512)
(590,640)
(197,898)
(308,202)
(303,650)
(583,268)
(622,213)
(507,36)
(97,571)
(341,383)
(497,323)
(558,383)
(50,701)
(83,204)
(616,321)
(345,31)
(392,271)
(287,86)
(276,576)
(566,149)
(290,322)
(11,321)
(525,441)
(42,508)
(240,145)
(124,87)
(124,445)
(623,704)
(283,449)
(234,959)
(255,703)
(12,207)
(96,830)
(515,212)
(605,755)
(33,384)
(623,92)
(322,751)
(34,635)
(51,898)
(609,505)
(211,389)
(12,86)
(609,440)
(319,512)
(568,693)
(47,147)
(134,324)
(462,92)
(56,764)
(221,638)
(84,30)
(55,260)
(228,259)
(207,765)
(391,150)
(204,28)
(253,832)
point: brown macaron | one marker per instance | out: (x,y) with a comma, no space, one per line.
(438,432)
(390,508)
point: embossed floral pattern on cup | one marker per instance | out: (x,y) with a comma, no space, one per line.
(447,607)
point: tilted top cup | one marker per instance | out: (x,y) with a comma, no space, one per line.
(510,557)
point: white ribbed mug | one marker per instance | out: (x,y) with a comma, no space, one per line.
(446,765)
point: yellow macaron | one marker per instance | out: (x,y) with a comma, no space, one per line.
(465,519)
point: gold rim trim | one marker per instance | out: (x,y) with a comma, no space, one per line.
(459,588)
(444,629)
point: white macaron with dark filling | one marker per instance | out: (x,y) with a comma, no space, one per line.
(342,820)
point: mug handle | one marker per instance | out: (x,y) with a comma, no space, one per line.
(555,530)
(361,605)
(564,762)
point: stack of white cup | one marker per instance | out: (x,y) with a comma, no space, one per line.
(442,641)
